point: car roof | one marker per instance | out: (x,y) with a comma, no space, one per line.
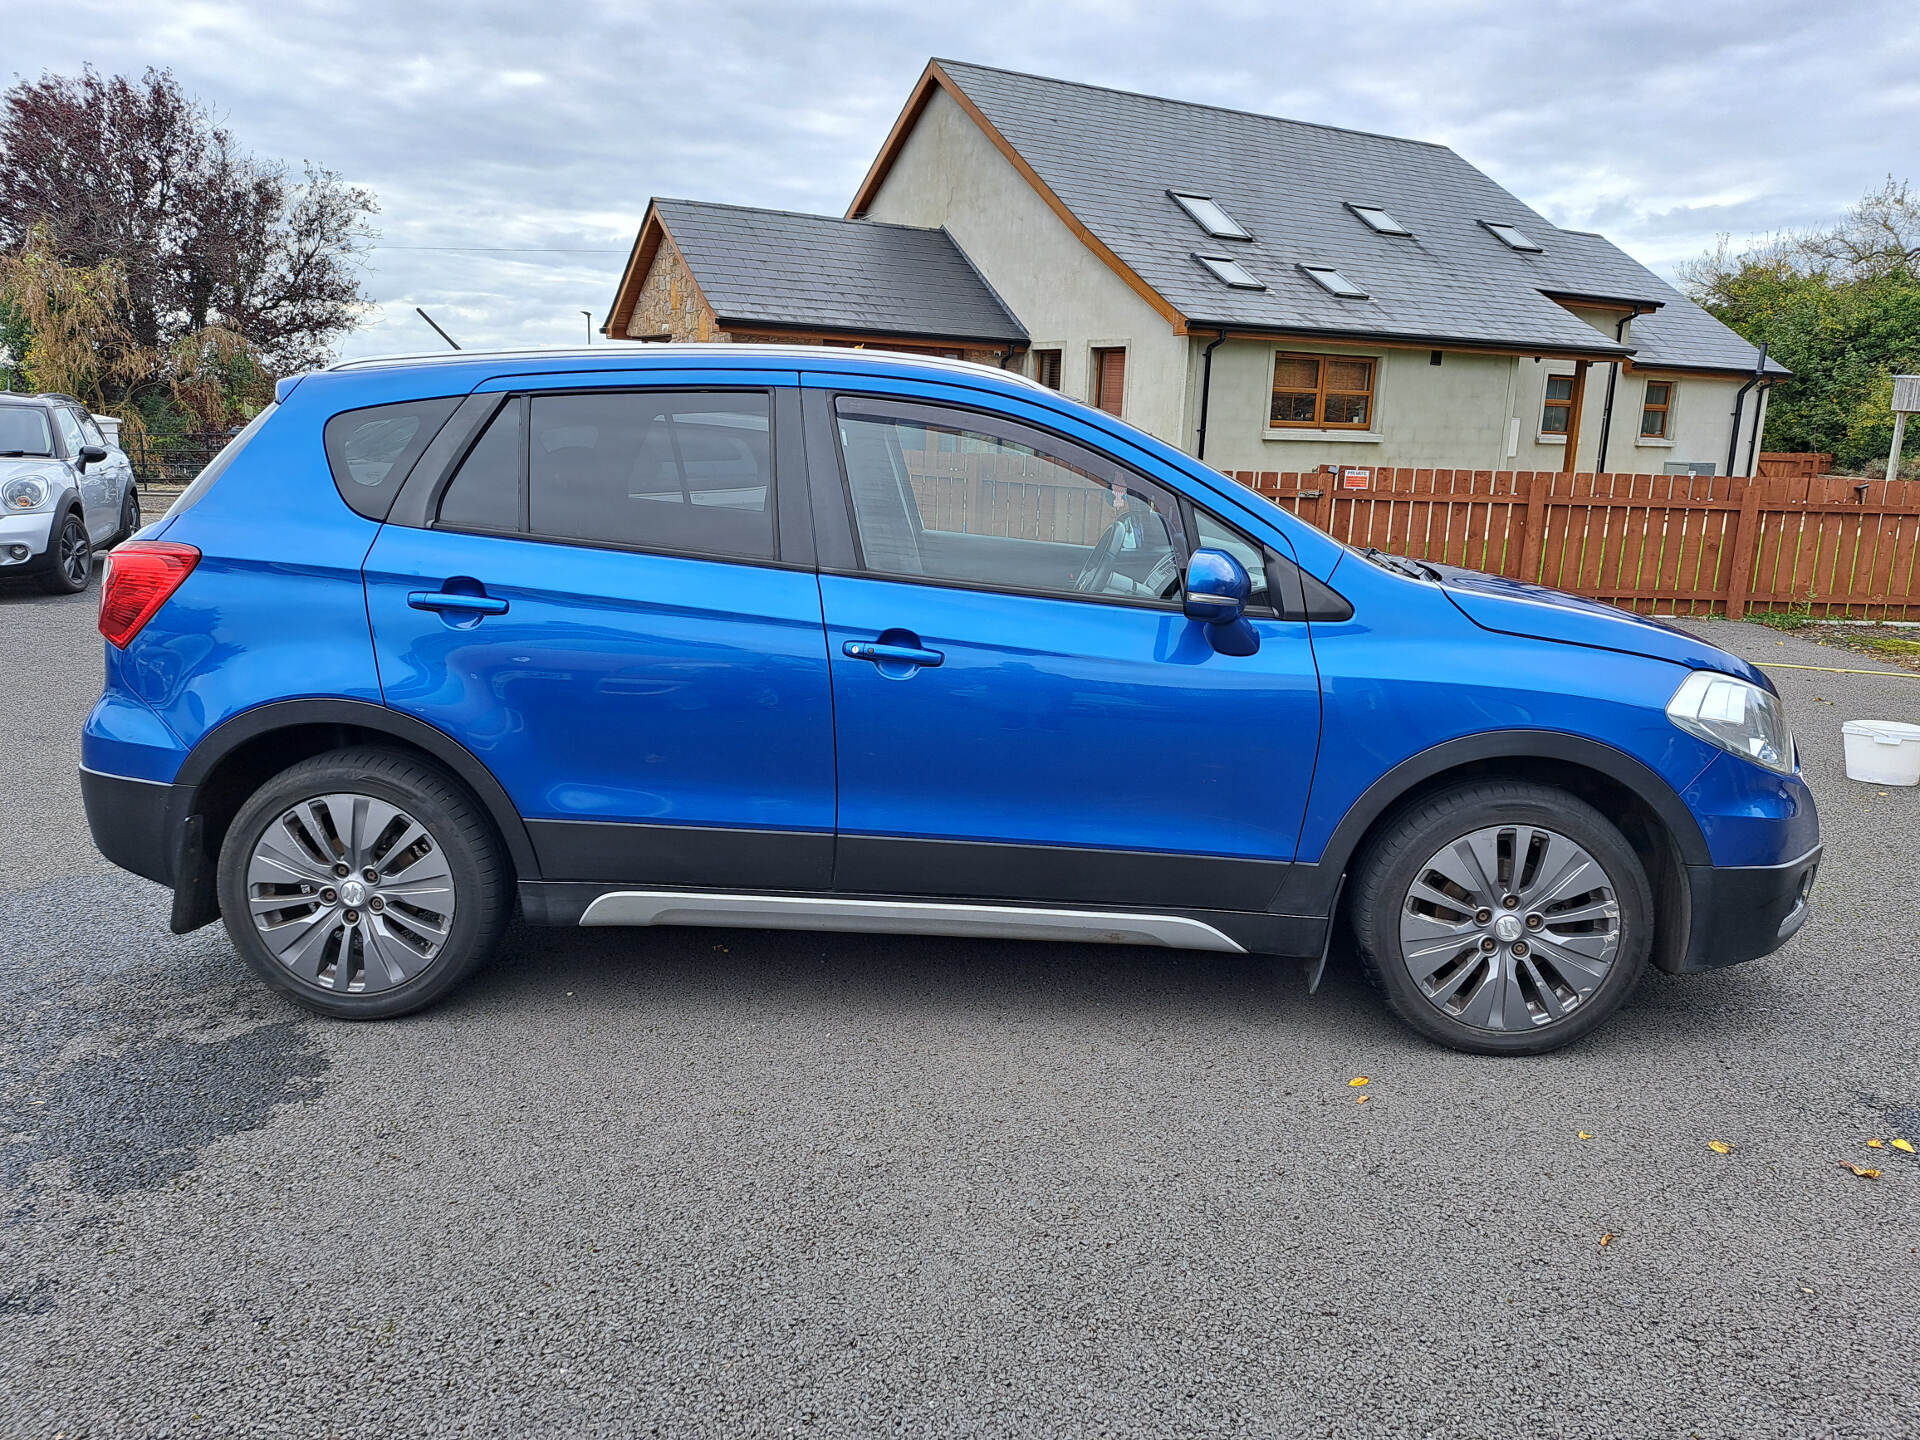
(657,356)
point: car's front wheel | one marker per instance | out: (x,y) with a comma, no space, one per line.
(1503,918)
(71,567)
(363,883)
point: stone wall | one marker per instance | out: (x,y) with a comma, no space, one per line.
(669,302)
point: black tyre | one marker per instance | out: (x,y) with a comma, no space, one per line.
(363,883)
(1502,918)
(70,567)
(130,518)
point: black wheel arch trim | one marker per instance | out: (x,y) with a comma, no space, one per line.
(237,730)
(1311,886)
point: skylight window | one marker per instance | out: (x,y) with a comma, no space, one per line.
(1333,282)
(1379,221)
(1208,215)
(1231,271)
(1512,238)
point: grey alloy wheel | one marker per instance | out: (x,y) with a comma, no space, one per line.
(72,568)
(350,893)
(1509,928)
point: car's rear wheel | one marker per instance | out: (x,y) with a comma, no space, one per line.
(130,520)
(364,883)
(71,570)
(1503,918)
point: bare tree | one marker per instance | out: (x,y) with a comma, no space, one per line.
(136,174)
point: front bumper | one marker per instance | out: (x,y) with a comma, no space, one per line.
(1741,912)
(29,532)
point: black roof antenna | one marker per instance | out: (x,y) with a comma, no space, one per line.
(436,327)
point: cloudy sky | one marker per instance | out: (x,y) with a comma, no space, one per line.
(513,145)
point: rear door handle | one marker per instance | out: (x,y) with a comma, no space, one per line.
(891,654)
(454,600)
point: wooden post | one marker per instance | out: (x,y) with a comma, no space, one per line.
(1536,483)
(1745,537)
(1329,481)
(1573,414)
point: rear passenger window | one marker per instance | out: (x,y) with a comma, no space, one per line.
(485,492)
(654,470)
(370,451)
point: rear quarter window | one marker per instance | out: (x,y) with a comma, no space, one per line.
(370,451)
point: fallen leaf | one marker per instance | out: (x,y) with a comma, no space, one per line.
(1364,1098)
(1861,1171)
(1719,1147)
(1356,1081)
(1906,1145)
(1606,1240)
(1877,1144)
(1585,1136)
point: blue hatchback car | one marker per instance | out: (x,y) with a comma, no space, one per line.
(824,639)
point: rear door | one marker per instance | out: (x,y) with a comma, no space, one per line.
(1023,710)
(603,602)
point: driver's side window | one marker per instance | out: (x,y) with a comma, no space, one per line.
(951,495)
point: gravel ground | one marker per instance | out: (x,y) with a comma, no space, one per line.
(705,1183)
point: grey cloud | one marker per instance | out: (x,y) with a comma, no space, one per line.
(493,124)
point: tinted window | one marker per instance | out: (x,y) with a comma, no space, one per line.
(90,429)
(370,451)
(941,495)
(485,493)
(654,470)
(24,431)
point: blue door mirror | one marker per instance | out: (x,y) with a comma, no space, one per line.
(1217,591)
(1217,587)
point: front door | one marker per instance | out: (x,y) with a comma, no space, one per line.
(1023,710)
(601,611)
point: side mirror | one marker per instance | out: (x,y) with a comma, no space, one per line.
(91,455)
(1217,591)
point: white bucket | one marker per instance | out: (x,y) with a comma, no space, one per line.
(1882,752)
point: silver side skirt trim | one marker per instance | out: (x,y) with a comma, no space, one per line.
(902,917)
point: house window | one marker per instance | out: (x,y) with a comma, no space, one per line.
(1046,368)
(1330,392)
(1225,267)
(1378,220)
(1333,282)
(1654,413)
(1208,215)
(1109,378)
(1556,414)
(1512,237)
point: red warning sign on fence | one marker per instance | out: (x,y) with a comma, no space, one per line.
(1351,479)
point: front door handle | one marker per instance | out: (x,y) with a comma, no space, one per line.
(891,654)
(454,600)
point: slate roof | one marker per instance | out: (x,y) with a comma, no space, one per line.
(1112,156)
(776,267)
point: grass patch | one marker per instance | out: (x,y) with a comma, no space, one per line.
(1794,617)
(1888,645)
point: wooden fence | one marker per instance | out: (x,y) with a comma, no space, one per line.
(1686,544)
(1783,463)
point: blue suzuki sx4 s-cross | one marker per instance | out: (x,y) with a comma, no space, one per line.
(819,639)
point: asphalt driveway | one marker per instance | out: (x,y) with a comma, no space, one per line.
(695,1183)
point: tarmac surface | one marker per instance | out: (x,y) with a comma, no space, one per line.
(706,1183)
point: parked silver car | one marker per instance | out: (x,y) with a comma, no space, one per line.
(65,491)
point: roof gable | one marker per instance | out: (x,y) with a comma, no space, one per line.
(1106,161)
(780,268)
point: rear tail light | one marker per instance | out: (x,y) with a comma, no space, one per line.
(141,577)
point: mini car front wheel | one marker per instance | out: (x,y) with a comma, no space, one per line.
(363,883)
(1503,918)
(71,570)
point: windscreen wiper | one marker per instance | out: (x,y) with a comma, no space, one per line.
(1397,563)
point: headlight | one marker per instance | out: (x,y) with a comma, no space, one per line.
(1738,717)
(24,492)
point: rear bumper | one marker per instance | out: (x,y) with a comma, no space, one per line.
(1741,912)
(131,821)
(151,828)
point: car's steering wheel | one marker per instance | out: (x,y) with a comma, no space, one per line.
(1099,568)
